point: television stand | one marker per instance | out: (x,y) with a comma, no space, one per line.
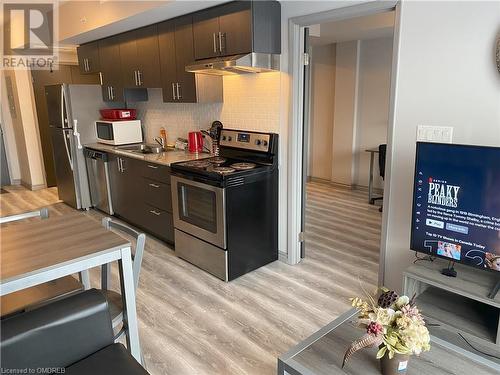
(450,270)
(494,290)
(462,312)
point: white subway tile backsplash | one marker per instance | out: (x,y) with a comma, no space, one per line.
(251,102)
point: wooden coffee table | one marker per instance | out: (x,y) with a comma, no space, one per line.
(322,354)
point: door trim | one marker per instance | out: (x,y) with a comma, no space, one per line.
(295,130)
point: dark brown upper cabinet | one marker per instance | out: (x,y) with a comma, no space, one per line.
(238,27)
(88,58)
(175,39)
(139,56)
(111,73)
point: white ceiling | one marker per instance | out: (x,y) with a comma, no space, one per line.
(369,27)
(167,10)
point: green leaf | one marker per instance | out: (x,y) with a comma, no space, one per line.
(381,352)
(391,354)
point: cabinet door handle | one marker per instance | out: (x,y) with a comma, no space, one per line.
(112,92)
(152,166)
(179,96)
(100,78)
(109,93)
(173,91)
(215,43)
(139,77)
(154,212)
(118,164)
(88,65)
(135,78)
(154,185)
(85,67)
(221,35)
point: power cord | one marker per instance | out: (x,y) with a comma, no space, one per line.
(477,350)
(427,258)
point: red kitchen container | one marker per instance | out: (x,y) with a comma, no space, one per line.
(118,114)
(195,142)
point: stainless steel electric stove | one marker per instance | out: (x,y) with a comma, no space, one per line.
(226,207)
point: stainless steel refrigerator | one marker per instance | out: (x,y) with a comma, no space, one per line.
(72,111)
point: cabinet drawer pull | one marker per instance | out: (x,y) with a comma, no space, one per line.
(154,185)
(154,212)
(139,78)
(179,96)
(215,43)
(152,166)
(173,91)
(221,35)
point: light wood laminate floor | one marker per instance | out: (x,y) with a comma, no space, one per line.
(193,323)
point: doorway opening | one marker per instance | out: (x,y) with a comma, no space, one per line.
(343,116)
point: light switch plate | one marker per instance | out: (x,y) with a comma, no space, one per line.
(438,134)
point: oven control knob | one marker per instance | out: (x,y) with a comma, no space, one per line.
(258,142)
(223,137)
(229,138)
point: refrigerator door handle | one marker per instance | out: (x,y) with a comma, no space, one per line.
(66,135)
(64,120)
(77,134)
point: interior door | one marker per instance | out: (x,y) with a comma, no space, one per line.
(236,28)
(184,55)
(205,33)
(305,136)
(166,41)
(148,56)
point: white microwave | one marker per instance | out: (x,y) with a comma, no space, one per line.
(118,132)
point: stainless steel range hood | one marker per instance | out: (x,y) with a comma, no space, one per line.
(237,64)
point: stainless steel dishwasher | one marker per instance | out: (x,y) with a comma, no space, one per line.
(98,173)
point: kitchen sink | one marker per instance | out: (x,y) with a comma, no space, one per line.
(141,149)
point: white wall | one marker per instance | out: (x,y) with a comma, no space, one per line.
(374,83)
(322,110)
(345,112)
(446,76)
(23,142)
(8,132)
(360,111)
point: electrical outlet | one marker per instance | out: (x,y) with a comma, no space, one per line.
(438,134)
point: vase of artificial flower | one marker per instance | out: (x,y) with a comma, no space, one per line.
(393,324)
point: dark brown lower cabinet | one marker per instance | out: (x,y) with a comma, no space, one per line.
(158,222)
(141,195)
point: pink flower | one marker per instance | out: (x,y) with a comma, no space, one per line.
(374,328)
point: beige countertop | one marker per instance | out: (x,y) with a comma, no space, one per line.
(165,158)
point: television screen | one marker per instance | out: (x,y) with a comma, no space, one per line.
(456,204)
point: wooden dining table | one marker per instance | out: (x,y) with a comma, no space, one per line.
(36,252)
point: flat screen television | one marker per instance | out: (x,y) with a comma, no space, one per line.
(456,204)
